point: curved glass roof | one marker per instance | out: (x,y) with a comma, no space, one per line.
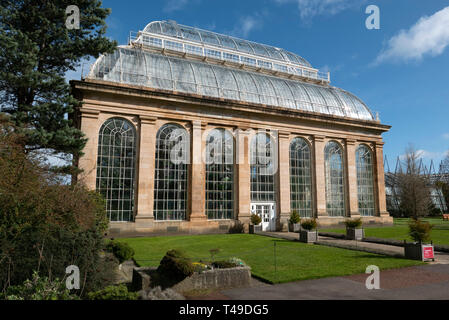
(172,29)
(135,66)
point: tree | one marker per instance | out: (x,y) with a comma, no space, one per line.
(413,187)
(46,226)
(37,49)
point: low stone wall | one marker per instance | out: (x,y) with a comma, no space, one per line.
(210,279)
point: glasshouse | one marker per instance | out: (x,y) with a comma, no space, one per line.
(192,131)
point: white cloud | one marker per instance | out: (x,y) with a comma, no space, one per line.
(175,5)
(446,136)
(246,24)
(311,8)
(428,36)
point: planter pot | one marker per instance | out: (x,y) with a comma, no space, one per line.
(254,228)
(294,227)
(308,236)
(419,251)
(355,234)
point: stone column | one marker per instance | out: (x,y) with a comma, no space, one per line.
(284,178)
(351,180)
(88,162)
(380,181)
(198,178)
(320,179)
(145,173)
(243,191)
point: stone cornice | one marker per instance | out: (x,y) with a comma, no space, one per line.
(180,97)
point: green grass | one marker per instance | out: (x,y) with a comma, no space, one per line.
(399,231)
(294,260)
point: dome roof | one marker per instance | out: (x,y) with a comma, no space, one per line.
(135,66)
(172,29)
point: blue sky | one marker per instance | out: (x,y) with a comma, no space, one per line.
(400,70)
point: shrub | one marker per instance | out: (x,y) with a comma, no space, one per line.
(119,292)
(222,264)
(353,223)
(419,230)
(238,262)
(175,266)
(121,250)
(255,219)
(39,288)
(46,225)
(294,217)
(237,228)
(309,224)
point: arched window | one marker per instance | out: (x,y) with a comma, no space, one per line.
(300,178)
(335,185)
(170,179)
(220,175)
(263,167)
(116,168)
(365,181)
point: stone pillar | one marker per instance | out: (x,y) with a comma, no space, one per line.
(284,178)
(88,162)
(320,179)
(198,177)
(351,180)
(380,181)
(145,173)
(243,191)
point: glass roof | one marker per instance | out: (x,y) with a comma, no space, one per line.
(135,66)
(172,29)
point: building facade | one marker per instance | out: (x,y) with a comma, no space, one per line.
(192,131)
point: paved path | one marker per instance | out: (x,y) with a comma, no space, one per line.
(430,282)
(389,250)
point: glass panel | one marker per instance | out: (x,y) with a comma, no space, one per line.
(226,83)
(206,79)
(264,86)
(116,168)
(220,175)
(183,75)
(243,46)
(300,178)
(262,167)
(226,42)
(170,180)
(365,181)
(335,184)
(190,33)
(209,37)
(159,71)
(248,90)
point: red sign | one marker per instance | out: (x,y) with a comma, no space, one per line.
(428,252)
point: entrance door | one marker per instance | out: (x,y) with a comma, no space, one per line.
(266,211)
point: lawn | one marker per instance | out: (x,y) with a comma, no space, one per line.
(439,235)
(294,260)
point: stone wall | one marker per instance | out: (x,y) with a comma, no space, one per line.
(209,279)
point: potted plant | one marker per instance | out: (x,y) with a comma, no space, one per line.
(255,224)
(420,249)
(293,222)
(354,230)
(306,234)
